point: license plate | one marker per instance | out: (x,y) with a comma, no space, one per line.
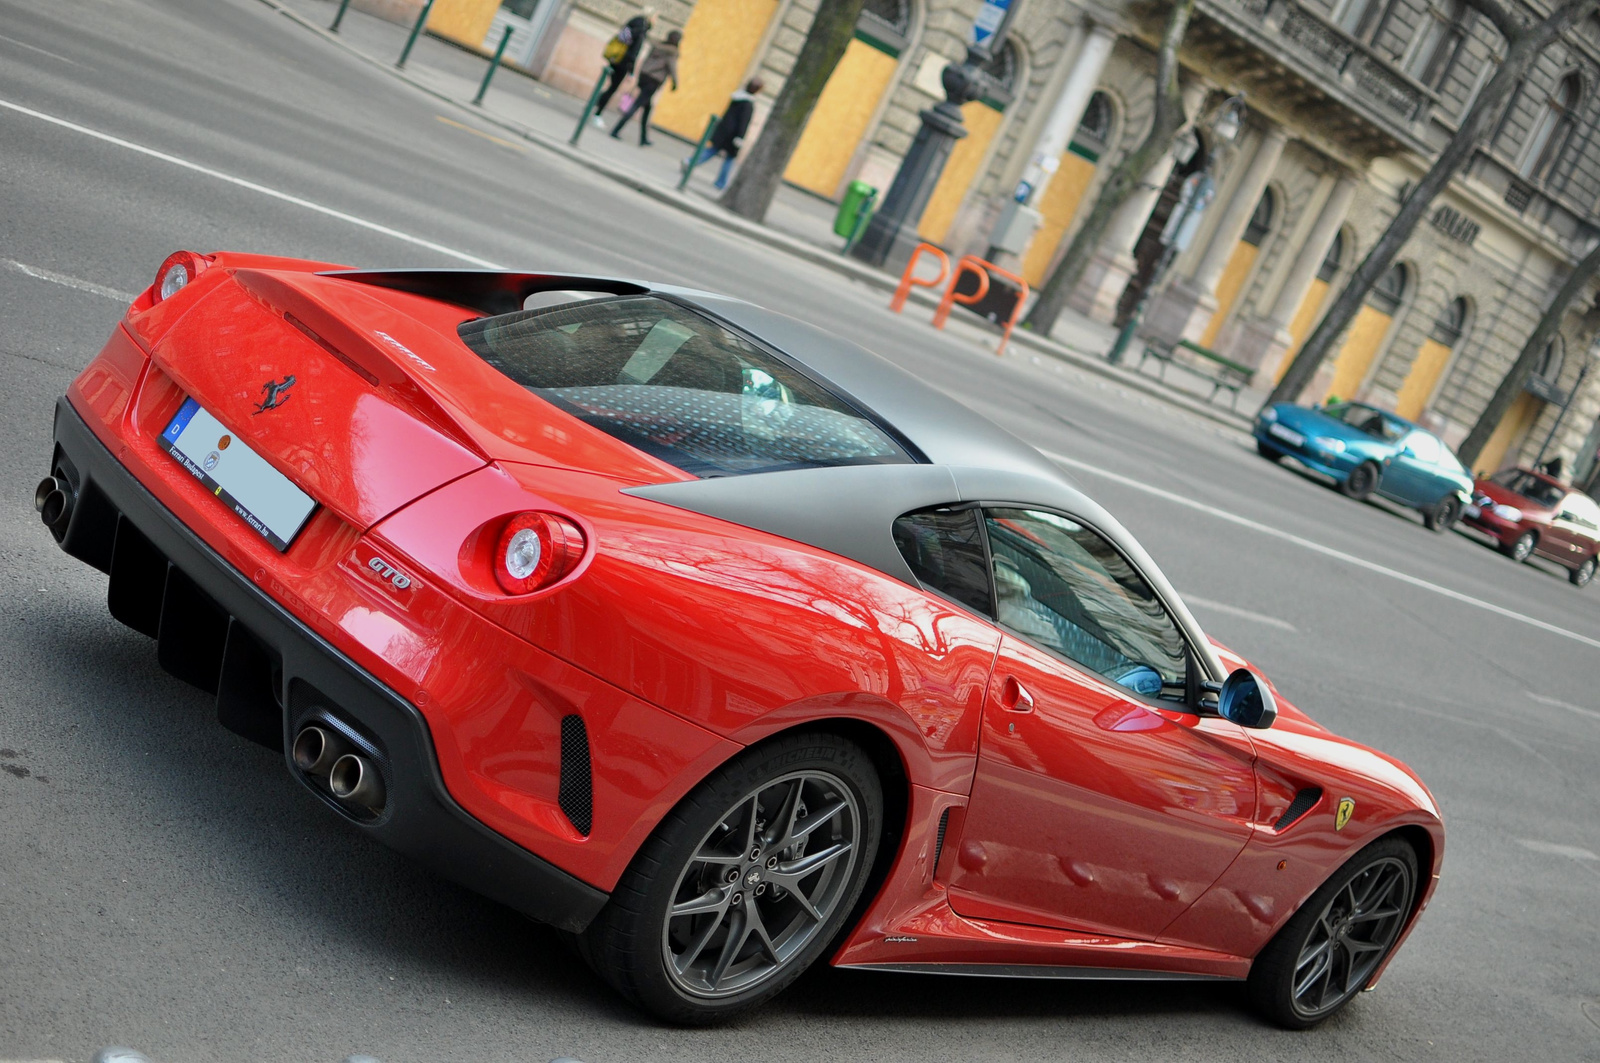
(1472,511)
(1288,435)
(260,494)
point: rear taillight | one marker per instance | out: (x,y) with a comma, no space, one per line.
(536,550)
(179,269)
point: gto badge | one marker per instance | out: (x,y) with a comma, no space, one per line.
(389,574)
(1347,808)
(277,392)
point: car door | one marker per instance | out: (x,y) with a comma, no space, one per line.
(1413,475)
(1100,803)
(1570,539)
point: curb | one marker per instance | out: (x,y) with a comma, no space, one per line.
(692,204)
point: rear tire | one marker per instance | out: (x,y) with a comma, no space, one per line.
(1443,515)
(1362,481)
(1327,952)
(735,895)
(1521,548)
(1583,575)
(1269,452)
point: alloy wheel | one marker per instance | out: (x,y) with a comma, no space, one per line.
(1584,573)
(1351,936)
(1523,547)
(761,884)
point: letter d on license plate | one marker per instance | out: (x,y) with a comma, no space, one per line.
(241,478)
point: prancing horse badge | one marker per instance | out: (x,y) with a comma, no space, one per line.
(1347,808)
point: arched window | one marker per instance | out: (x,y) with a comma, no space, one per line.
(1261,221)
(1332,260)
(1390,291)
(1552,129)
(1094,132)
(1452,321)
(1548,368)
(1438,41)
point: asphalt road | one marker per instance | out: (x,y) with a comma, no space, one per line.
(165,885)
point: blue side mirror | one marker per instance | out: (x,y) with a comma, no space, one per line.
(1246,701)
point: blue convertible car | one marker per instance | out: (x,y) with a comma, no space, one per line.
(1369,451)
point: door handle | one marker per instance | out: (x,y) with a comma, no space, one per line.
(1014,697)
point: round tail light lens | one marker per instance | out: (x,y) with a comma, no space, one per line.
(179,269)
(536,550)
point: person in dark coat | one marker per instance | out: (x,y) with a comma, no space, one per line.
(631,36)
(658,67)
(727,138)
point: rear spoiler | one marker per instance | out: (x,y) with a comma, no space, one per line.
(487,291)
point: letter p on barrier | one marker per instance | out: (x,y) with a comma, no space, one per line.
(909,278)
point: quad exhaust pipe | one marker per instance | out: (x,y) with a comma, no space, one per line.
(53,499)
(352,778)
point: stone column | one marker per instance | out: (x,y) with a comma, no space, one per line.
(1264,343)
(1185,308)
(1069,108)
(1113,263)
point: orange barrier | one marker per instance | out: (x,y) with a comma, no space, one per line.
(981,269)
(908,279)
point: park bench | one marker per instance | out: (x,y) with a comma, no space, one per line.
(1224,373)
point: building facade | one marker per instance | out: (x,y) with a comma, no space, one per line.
(1348,102)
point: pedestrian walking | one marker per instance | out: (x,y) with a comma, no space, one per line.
(729,134)
(659,67)
(621,52)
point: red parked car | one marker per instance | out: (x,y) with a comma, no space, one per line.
(1529,513)
(712,640)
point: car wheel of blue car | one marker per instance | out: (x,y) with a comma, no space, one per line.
(1583,575)
(1444,514)
(1362,481)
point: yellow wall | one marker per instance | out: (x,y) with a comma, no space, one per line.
(1523,412)
(464,21)
(719,41)
(1303,317)
(1365,336)
(1424,374)
(1228,287)
(982,122)
(1059,206)
(840,119)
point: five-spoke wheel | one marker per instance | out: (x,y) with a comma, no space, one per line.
(745,883)
(1331,948)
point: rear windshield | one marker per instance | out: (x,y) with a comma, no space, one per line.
(679,386)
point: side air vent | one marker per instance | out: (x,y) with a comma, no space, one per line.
(1303,802)
(938,840)
(576,795)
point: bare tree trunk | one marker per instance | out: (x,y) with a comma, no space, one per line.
(1523,48)
(1511,385)
(750,194)
(1124,180)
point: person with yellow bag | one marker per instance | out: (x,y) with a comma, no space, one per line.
(621,52)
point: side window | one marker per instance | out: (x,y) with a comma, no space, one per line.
(1065,588)
(1424,447)
(944,548)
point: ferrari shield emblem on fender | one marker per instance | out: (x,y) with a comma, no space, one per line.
(1347,808)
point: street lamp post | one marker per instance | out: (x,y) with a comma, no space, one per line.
(1198,192)
(896,221)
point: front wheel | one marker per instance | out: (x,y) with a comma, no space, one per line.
(1443,516)
(1328,951)
(1362,481)
(1583,575)
(1521,548)
(743,884)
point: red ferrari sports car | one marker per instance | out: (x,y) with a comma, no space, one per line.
(712,640)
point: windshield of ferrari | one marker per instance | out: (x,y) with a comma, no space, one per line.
(679,386)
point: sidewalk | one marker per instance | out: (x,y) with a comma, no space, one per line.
(798,223)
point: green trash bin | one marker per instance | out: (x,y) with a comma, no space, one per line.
(844,223)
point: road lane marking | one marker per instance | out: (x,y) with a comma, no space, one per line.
(1319,548)
(502,141)
(273,193)
(39,273)
(1579,709)
(1571,852)
(1234,610)
(41,51)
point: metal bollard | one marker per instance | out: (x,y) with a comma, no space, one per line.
(344,5)
(416,31)
(494,64)
(588,108)
(699,146)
